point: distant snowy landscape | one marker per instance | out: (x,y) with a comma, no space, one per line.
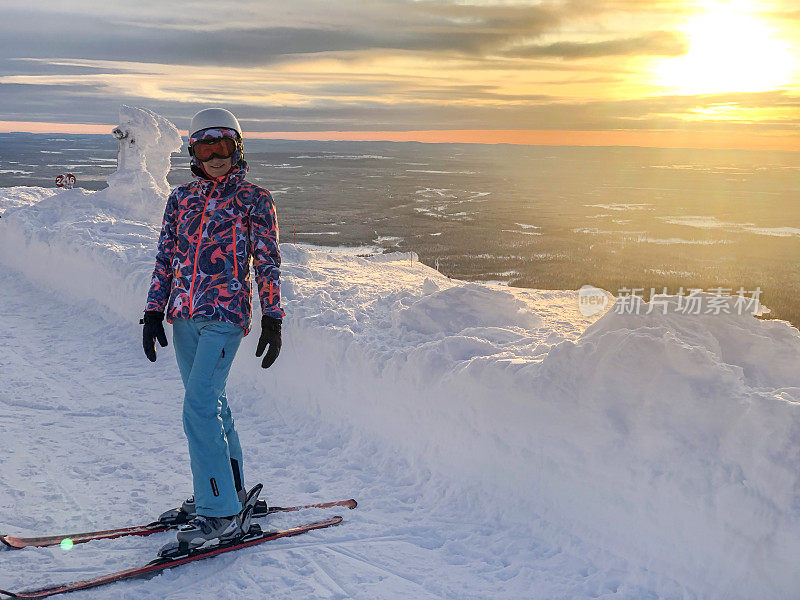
(500,443)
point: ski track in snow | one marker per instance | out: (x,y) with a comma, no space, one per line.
(94,440)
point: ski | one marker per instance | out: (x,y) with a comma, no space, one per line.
(254,537)
(261,510)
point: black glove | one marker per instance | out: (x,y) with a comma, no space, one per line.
(153,322)
(270,334)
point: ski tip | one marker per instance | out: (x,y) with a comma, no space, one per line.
(351,504)
(5,545)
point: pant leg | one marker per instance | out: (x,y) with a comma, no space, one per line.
(185,335)
(216,346)
(234,447)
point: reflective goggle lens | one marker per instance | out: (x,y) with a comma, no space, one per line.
(221,148)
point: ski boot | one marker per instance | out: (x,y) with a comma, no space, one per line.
(187,510)
(203,532)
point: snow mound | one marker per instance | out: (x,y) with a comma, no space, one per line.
(764,353)
(687,427)
(146,141)
(23,195)
(451,311)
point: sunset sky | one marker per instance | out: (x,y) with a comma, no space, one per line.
(699,73)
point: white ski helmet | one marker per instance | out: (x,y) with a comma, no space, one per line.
(213,118)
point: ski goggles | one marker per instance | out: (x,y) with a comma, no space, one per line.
(205,150)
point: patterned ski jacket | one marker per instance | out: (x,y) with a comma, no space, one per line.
(211,231)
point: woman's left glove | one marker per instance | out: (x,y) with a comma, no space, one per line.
(270,334)
(153,322)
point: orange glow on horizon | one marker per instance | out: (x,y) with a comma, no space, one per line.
(552,137)
(39,127)
(786,141)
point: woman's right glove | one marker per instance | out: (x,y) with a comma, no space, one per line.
(270,334)
(153,322)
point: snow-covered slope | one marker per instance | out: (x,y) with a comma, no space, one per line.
(668,444)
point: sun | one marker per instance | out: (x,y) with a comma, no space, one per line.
(730,50)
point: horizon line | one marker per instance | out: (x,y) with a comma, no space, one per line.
(671,139)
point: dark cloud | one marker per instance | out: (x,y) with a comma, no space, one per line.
(46,35)
(657,43)
(12,66)
(89,37)
(670,7)
(486,94)
(57,103)
(479,29)
(423,27)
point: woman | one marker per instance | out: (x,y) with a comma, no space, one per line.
(212,228)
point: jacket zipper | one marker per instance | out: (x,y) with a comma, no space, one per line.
(197,249)
(235,267)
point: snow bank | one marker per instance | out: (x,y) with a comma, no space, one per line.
(673,440)
(687,429)
(668,439)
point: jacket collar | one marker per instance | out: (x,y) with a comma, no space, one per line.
(225,184)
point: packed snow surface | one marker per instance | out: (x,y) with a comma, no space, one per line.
(500,444)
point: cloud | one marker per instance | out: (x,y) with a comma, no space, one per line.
(56,104)
(203,34)
(92,105)
(384,64)
(657,43)
(26,66)
(89,37)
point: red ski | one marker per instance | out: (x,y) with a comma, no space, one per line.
(261,510)
(161,564)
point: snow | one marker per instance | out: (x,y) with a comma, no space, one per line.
(139,185)
(500,444)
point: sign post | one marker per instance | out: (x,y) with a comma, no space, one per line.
(66,181)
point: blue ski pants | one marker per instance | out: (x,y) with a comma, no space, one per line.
(205,350)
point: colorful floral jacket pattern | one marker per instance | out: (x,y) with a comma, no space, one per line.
(212,230)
